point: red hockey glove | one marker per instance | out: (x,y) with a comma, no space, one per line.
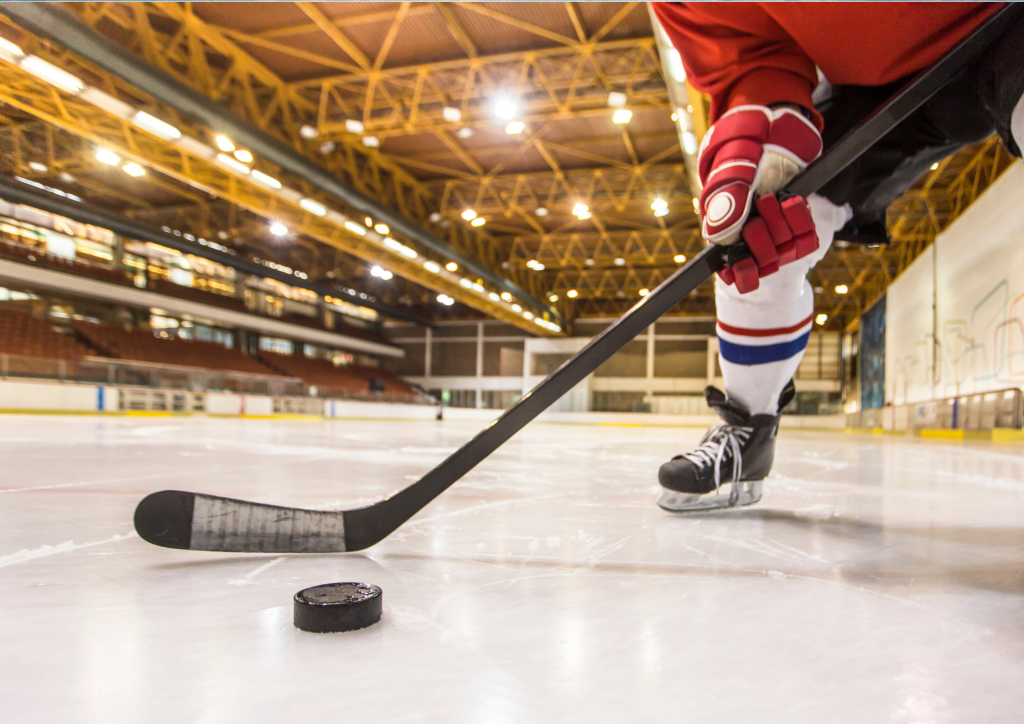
(753,151)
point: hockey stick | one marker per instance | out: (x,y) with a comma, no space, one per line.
(177,519)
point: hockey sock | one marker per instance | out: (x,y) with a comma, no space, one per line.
(762,334)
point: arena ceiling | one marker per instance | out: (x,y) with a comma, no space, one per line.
(403,102)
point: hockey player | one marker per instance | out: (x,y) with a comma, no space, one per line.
(786,80)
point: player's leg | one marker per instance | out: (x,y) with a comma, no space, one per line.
(761,336)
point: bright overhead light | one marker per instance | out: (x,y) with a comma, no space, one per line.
(262,178)
(381,273)
(353,126)
(478,287)
(619,261)
(580,208)
(469,214)
(935,166)
(451,266)
(243,155)
(659,204)
(690,144)
(541,211)
(514,128)
(435,217)
(842,289)
(644,292)
(432,266)
(133,169)
(505,107)
(506,297)
(675,116)
(225,160)
(445,300)
(516,308)
(371,141)
(278,229)
(552,297)
(466,283)
(52,74)
(307,132)
(38,167)
(452,115)
(696,206)
(493,297)
(381,228)
(224,144)
(313,207)
(10,52)
(616,99)
(821,319)
(478,221)
(528,315)
(327,147)
(155,126)
(621,116)
(661,212)
(536,265)
(355,228)
(675,65)
(584,216)
(107,102)
(572,294)
(679,258)
(466,132)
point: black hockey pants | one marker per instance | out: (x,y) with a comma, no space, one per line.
(977,103)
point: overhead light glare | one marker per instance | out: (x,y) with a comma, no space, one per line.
(514,128)
(572,294)
(552,297)
(243,155)
(445,300)
(516,308)
(842,289)
(371,141)
(493,297)
(262,178)
(659,204)
(505,108)
(224,144)
(355,228)
(38,167)
(108,157)
(619,261)
(313,207)
(10,52)
(541,211)
(616,99)
(452,115)
(661,212)
(690,144)
(821,319)
(580,208)
(353,126)
(584,216)
(528,315)
(644,292)
(451,266)
(158,128)
(432,266)
(469,214)
(675,65)
(278,229)
(506,297)
(679,258)
(228,162)
(622,116)
(308,132)
(478,221)
(133,169)
(52,74)
(382,229)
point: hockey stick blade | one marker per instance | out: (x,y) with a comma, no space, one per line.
(177,519)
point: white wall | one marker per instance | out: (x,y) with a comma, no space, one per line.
(978,268)
(28,395)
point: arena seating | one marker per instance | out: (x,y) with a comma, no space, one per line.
(22,334)
(325,375)
(145,346)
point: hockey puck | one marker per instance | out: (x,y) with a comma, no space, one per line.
(335,607)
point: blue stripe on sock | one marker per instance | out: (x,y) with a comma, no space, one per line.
(742,354)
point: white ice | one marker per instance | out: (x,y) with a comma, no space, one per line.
(880,580)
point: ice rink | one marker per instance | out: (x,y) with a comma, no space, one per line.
(880,579)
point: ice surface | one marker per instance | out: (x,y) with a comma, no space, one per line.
(880,579)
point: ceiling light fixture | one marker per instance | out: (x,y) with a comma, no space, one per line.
(622,116)
(451,266)
(224,144)
(243,155)
(514,128)
(572,294)
(108,157)
(133,169)
(278,229)
(469,214)
(478,221)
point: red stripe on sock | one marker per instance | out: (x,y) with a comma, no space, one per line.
(743,332)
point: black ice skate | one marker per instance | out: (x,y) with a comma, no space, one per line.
(740,450)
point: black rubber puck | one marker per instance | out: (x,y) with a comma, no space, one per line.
(335,607)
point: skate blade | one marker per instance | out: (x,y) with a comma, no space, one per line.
(749,493)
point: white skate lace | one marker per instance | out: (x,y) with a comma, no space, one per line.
(713,447)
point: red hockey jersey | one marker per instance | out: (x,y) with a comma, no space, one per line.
(761,53)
